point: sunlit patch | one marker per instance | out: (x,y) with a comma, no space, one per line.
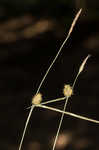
(63,140)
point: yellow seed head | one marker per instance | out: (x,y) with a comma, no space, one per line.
(37,99)
(67,91)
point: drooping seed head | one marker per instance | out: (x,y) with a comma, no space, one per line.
(67,91)
(37,99)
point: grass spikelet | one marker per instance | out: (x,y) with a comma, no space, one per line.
(74,21)
(83,64)
(37,99)
(67,91)
(81,69)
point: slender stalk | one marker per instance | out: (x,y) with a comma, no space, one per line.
(60,124)
(67,37)
(50,101)
(54,100)
(68,113)
(26,124)
(52,63)
(65,105)
(58,99)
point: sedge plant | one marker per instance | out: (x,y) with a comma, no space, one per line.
(67,92)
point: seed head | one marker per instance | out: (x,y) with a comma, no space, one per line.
(83,64)
(37,99)
(67,91)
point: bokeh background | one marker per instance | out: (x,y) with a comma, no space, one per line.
(31,32)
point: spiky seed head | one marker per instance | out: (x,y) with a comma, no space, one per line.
(37,99)
(67,91)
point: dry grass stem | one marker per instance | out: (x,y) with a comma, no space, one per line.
(69,33)
(68,113)
(60,123)
(24,131)
(68,91)
(37,97)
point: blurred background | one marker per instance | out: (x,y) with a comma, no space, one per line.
(31,32)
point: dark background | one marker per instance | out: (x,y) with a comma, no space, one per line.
(31,32)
